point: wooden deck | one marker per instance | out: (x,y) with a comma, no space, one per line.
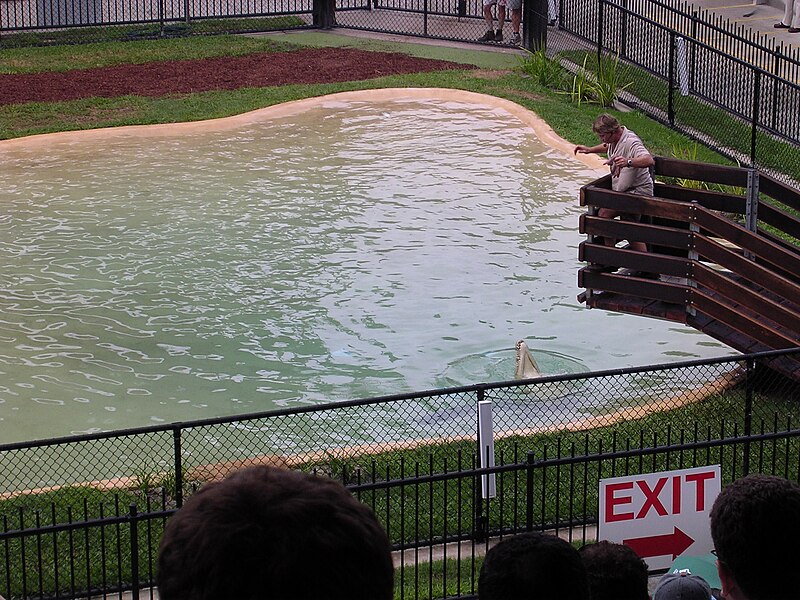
(738,283)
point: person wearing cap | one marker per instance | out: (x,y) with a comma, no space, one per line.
(682,586)
(755,525)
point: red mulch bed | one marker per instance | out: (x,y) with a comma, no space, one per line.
(305,66)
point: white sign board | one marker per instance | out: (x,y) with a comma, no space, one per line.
(660,515)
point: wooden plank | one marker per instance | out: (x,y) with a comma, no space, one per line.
(687,169)
(635,205)
(738,235)
(637,232)
(712,200)
(633,286)
(753,328)
(779,191)
(771,237)
(780,219)
(746,268)
(786,320)
(640,261)
(639,306)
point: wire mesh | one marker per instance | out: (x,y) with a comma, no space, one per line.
(69,507)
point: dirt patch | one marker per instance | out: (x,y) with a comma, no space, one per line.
(263,69)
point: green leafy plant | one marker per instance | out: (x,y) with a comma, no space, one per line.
(608,83)
(582,88)
(602,86)
(546,71)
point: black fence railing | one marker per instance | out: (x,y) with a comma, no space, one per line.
(83,515)
(725,89)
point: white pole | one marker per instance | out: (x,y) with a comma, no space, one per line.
(683,65)
(486,446)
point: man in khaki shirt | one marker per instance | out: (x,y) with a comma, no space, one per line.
(630,164)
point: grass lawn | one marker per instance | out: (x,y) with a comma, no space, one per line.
(495,73)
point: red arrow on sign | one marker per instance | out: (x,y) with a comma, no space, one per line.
(674,543)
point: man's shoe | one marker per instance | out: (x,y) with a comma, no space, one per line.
(498,35)
(516,39)
(487,37)
(794,29)
(780,26)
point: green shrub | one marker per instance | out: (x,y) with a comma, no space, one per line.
(546,71)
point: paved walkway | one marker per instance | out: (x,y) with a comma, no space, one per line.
(758,17)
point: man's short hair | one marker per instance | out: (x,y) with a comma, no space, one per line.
(755,524)
(266,533)
(605,123)
(533,565)
(614,572)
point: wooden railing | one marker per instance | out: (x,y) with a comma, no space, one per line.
(722,257)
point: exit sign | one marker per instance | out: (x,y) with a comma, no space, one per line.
(660,515)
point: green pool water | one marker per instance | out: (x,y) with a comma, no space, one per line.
(356,249)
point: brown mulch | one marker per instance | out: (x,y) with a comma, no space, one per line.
(304,66)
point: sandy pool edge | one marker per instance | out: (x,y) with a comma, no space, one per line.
(529,118)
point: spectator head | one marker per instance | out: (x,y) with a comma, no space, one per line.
(755,524)
(605,123)
(266,533)
(533,566)
(682,586)
(615,572)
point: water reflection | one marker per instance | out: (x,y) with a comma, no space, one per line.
(359,249)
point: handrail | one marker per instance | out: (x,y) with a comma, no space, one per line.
(741,277)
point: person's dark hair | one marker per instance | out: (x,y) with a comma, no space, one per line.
(266,533)
(533,566)
(755,523)
(614,572)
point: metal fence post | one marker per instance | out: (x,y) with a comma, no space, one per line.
(671,83)
(748,413)
(756,111)
(534,25)
(751,209)
(693,59)
(776,71)
(530,461)
(600,23)
(623,42)
(176,448)
(134,520)
(323,13)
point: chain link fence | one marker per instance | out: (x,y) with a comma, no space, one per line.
(85,513)
(732,92)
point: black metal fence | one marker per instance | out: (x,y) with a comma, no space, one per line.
(84,514)
(732,91)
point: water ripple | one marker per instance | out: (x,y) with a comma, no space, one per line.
(357,250)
